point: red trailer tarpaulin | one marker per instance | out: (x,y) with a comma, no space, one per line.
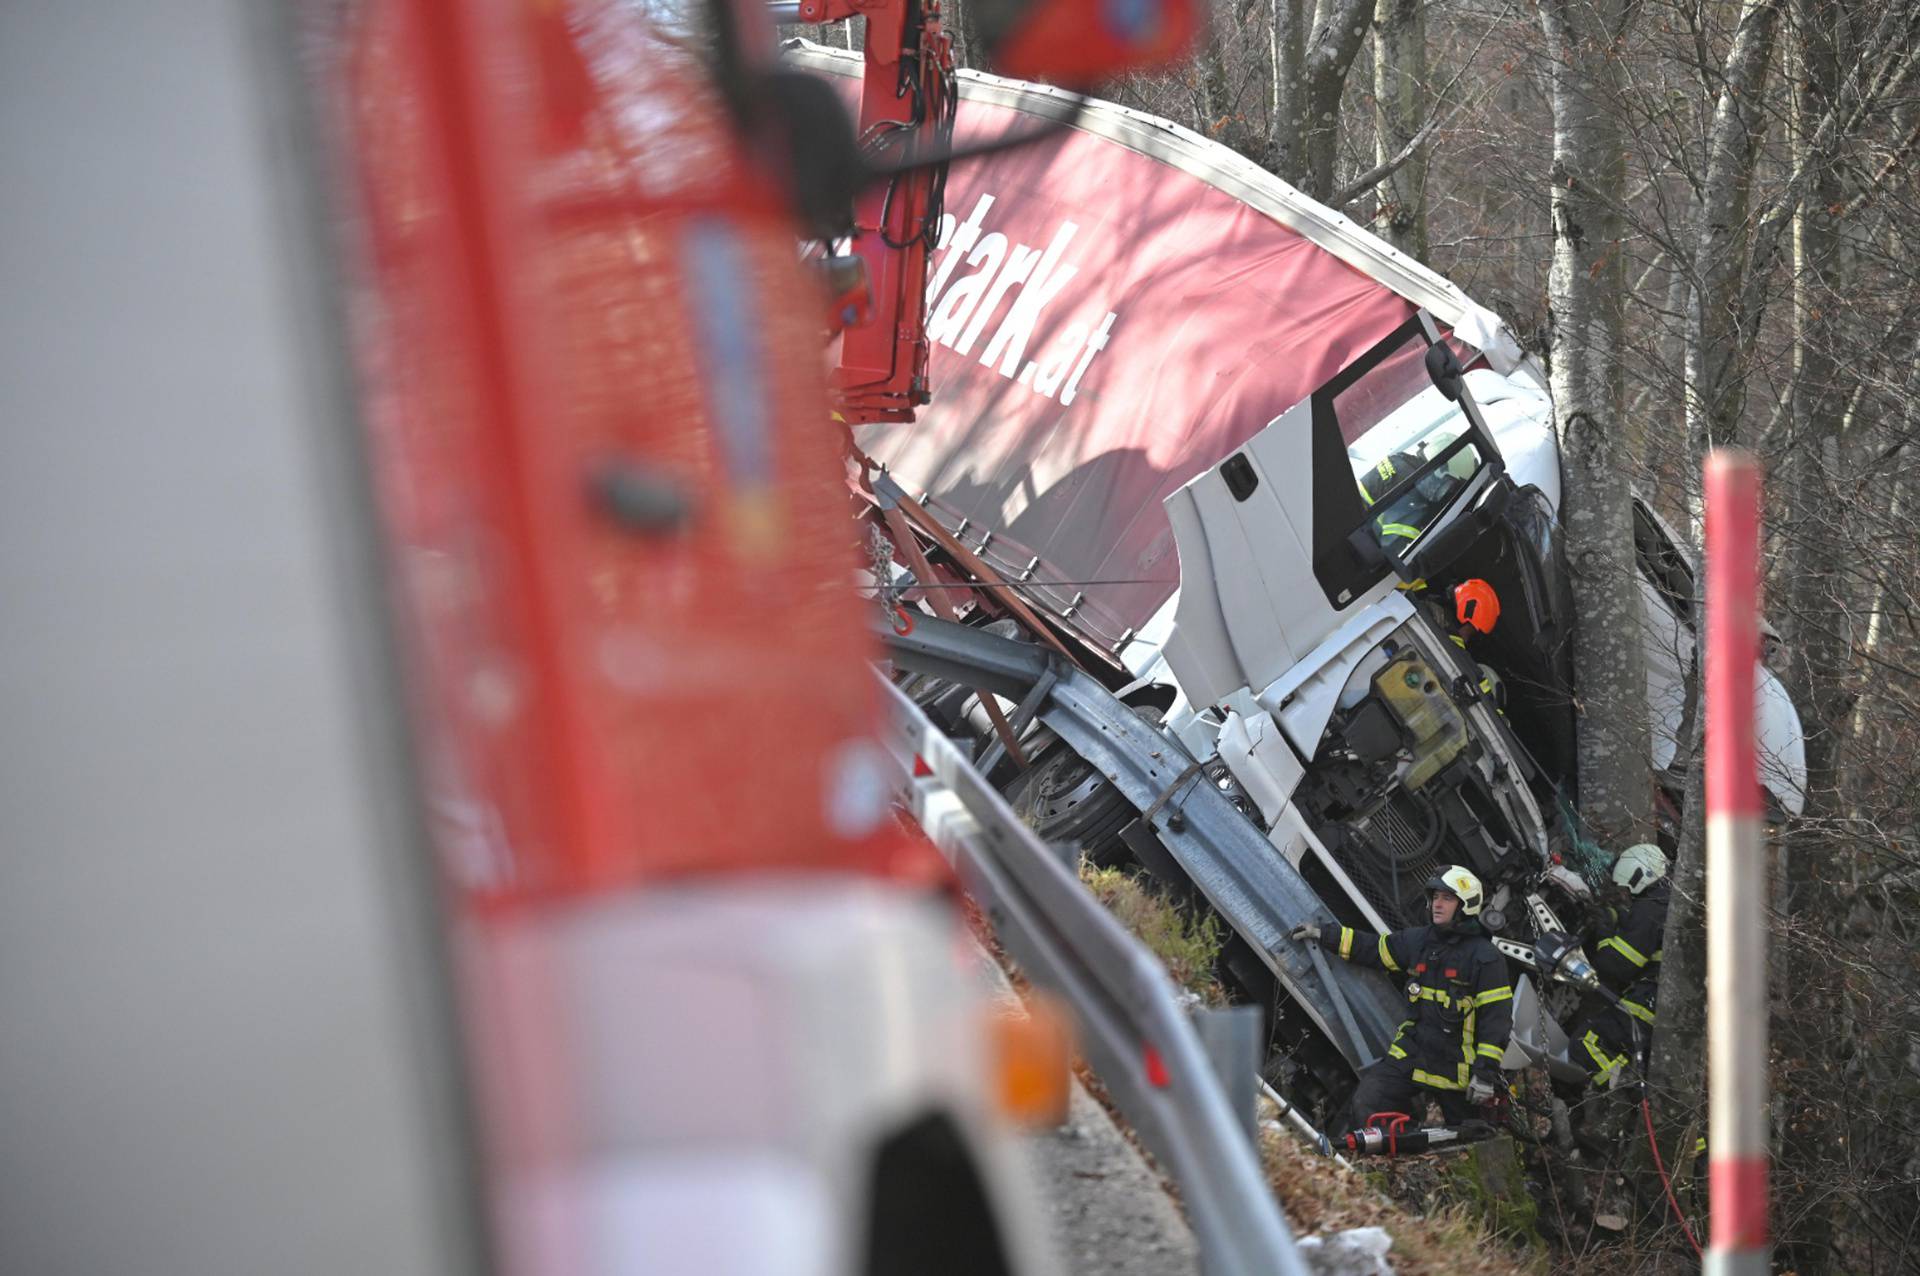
(1114,308)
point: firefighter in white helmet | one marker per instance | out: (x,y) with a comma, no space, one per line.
(1624,939)
(1461,995)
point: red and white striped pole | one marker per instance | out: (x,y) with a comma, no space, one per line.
(1736,874)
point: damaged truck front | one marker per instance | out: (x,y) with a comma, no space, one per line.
(1232,454)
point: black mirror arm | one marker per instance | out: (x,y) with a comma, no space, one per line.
(1444,370)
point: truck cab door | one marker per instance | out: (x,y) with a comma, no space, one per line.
(1402,476)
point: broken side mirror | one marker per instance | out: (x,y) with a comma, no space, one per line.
(1444,370)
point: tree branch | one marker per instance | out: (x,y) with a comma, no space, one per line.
(1896,162)
(1391,165)
(1857,97)
(1388,167)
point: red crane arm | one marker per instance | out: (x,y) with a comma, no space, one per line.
(907,103)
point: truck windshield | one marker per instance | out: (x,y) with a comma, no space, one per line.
(1393,461)
(1394,422)
(1396,448)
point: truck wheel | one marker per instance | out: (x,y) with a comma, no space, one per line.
(1068,801)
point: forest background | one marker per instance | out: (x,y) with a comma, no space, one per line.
(1702,217)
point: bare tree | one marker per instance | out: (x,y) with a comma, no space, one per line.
(1585,287)
(1400,114)
(1338,35)
(1287,104)
(1722,325)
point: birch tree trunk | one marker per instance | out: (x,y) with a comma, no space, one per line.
(1399,109)
(1721,328)
(1287,111)
(1677,1062)
(1817,624)
(1725,289)
(1338,33)
(1584,290)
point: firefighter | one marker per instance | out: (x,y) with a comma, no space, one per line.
(1462,998)
(1397,528)
(1623,941)
(1375,483)
(1476,610)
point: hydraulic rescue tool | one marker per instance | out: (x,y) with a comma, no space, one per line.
(1387,1134)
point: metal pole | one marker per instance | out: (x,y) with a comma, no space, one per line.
(1736,874)
(1339,998)
(1231,1037)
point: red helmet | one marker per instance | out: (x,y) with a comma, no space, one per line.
(1476,604)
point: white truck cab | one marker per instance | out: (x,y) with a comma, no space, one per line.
(1308,656)
(1315,650)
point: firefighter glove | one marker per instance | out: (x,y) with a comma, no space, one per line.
(1481,1089)
(1306,933)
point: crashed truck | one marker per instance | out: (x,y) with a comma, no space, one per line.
(1231,452)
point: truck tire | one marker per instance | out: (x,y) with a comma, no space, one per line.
(1067,800)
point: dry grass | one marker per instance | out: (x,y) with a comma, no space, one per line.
(1441,1223)
(1319,1196)
(1186,943)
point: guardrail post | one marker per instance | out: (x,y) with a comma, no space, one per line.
(1231,1037)
(1736,875)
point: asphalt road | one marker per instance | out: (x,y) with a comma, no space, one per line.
(1107,1210)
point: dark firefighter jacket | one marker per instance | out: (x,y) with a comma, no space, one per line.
(1457,984)
(1375,483)
(1626,949)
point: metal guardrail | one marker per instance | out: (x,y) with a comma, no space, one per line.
(1220,851)
(1132,1030)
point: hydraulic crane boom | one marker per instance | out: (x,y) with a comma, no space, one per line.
(907,105)
(904,140)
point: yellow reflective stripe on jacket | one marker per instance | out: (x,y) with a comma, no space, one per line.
(1346,942)
(1399,529)
(1472,1051)
(1441,997)
(1459,1080)
(1637,1010)
(1438,1082)
(1607,1062)
(1625,949)
(1435,995)
(1386,955)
